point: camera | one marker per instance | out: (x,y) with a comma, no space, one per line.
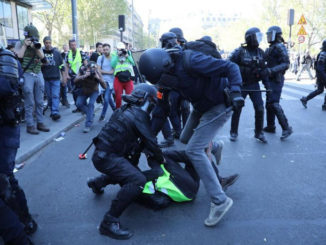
(92,69)
(122,52)
(35,41)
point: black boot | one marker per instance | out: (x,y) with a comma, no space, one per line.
(286,133)
(167,143)
(270,116)
(259,122)
(287,130)
(30,226)
(228,181)
(304,101)
(235,125)
(110,226)
(97,184)
(270,129)
(233,136)
(261,137)
(323,107)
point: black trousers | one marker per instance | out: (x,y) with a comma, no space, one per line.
(319,90)
(120,171)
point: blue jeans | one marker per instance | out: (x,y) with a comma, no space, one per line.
(52,89)
(88,109)
(108,100)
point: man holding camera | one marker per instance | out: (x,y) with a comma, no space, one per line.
(88,79)
(32,56)
(122,63)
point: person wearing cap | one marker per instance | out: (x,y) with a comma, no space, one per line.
(31,53)
(122,63)
(51,73)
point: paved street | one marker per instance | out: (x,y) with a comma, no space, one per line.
(279,198)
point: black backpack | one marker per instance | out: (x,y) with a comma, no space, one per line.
(204,46)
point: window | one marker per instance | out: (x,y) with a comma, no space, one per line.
(5,13)
(22,14)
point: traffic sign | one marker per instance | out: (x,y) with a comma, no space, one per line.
(302,20)
(302,31)
(301,39)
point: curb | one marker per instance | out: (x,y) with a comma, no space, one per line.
(27,155)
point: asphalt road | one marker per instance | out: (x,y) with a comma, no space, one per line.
(280,197)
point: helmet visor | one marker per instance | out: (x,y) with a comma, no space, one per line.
(271,35)
(259,37)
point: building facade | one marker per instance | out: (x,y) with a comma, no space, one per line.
(15,15)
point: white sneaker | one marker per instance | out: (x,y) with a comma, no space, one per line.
(86,129)
(217,212)
(217,147)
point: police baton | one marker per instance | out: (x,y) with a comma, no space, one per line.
(227,110)
(256,90)
(83,155)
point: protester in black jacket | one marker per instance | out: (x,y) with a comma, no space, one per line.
(51,73)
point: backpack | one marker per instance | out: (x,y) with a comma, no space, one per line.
(204,46)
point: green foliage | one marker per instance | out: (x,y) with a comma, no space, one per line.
(275,12)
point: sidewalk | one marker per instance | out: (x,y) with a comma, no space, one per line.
(31,144)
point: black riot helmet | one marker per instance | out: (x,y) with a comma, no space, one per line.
(253,37)
(153,62)
(168,40)
(177,31)
(323,47)
(143,95)
(274,34)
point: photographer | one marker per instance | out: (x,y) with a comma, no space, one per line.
(122,63)
(32,56)
(88,79)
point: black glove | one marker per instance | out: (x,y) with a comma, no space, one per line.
(237,100)
(266,73)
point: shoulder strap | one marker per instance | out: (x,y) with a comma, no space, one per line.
(29,63)
(102,61)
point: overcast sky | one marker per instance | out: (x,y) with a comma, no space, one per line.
(182,13)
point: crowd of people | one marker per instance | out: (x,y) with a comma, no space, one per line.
(49,75)
(178,74)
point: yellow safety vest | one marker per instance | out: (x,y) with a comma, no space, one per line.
(76,63)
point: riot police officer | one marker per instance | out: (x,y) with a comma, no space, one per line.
(250,59)
(321,78)
(167,102)
(16,221)
(197,77)
(277,63)
(127,128)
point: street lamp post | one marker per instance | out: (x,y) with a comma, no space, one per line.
(74,21)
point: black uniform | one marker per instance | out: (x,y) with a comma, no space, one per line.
(251,62)
(277,62)
(15,219)
(127,128)
(321,78)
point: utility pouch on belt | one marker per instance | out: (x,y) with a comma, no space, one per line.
(227,97)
